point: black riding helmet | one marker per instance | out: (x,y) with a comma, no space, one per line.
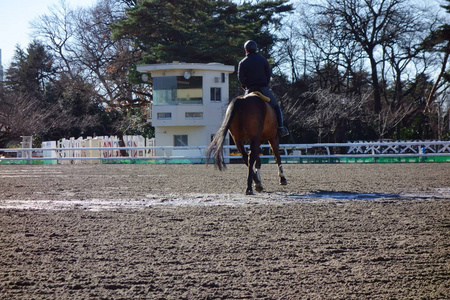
(250,46)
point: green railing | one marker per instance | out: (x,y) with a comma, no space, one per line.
(357,152)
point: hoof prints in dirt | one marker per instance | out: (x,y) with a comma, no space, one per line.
(355,250)
(193,237)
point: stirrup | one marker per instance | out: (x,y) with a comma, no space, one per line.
(282,131)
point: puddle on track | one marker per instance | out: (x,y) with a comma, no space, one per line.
(346,195)
(177,200)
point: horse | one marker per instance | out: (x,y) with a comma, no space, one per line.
(249,119)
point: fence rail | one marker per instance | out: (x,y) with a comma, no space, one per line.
(402,151)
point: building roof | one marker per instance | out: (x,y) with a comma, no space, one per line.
(185,66)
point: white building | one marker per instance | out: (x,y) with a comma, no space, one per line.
(189,102)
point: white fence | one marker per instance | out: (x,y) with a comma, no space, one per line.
(137,148)
(105,147)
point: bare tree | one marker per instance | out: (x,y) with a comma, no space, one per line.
(22,115)
(357,46)
(81,40)
(57,30)
(388,118)
(346,32)
(326,112)
(438,113)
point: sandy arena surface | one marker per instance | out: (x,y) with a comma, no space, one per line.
(342,231)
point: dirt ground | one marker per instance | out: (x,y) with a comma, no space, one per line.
(343,231)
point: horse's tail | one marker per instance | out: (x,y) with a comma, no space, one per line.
(215,148)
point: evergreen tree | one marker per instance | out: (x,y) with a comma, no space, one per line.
(200,30)
(30,71)
(40,102)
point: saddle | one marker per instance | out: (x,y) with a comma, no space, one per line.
(259,94)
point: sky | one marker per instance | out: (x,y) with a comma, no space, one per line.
(15,18)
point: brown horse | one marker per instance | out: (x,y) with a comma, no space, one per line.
(248,119)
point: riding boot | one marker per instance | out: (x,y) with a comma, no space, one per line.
(282,131)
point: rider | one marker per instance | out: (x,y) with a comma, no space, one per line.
(254,74)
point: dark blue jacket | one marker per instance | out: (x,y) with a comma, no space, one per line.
(254,71)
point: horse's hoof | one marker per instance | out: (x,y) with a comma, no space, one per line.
(283,181)
(259,188)
(249,192)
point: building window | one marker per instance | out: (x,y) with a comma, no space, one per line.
(180,140)
(164,116)
(174,90)
(216,94)
(194,115)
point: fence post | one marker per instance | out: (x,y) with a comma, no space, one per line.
(27,142)
(49,153)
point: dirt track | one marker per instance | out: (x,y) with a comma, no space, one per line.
(187,232)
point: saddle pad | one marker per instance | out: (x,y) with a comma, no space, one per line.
(259,94)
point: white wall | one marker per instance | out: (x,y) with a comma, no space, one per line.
(199,131)
(197,136)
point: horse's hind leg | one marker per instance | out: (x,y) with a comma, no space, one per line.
(253,157)
(251,161)
(275,149)
(249,190)
(248,162)
(241,148)
(283,180)
(257,175)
